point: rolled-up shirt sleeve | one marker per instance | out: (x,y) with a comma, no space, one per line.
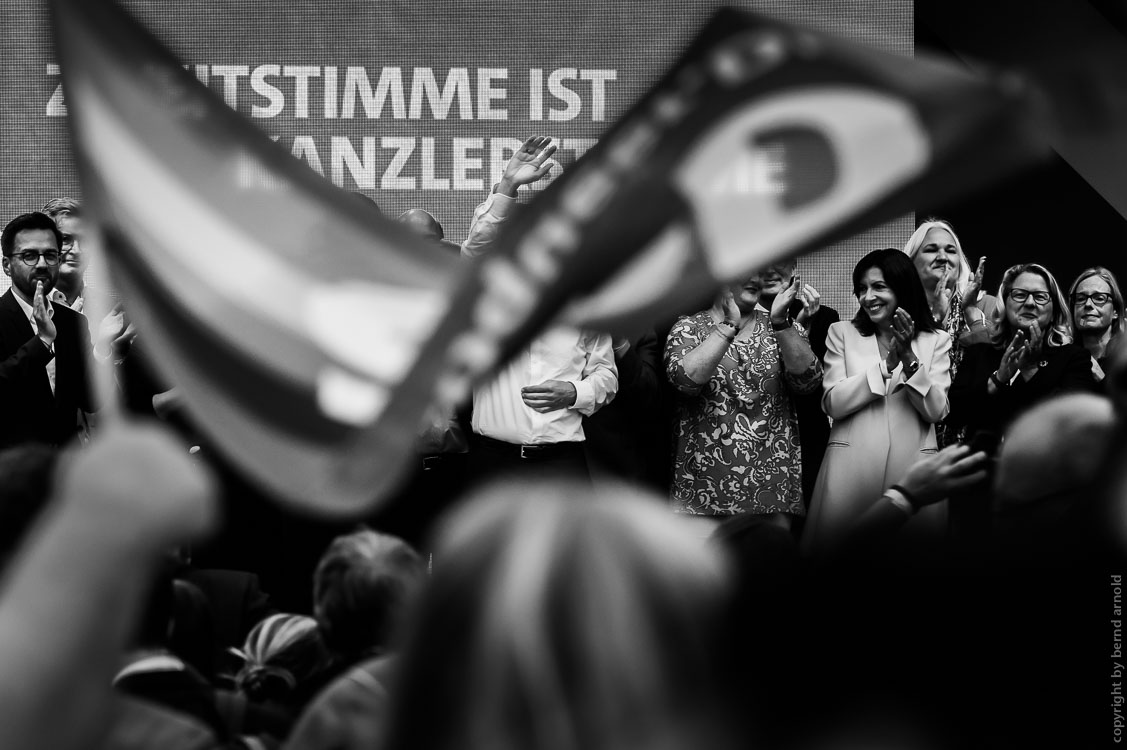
(599,381)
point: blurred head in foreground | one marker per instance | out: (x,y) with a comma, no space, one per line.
(360,588)
(562,618)
(1048,498)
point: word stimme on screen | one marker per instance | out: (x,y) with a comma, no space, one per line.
(348,92)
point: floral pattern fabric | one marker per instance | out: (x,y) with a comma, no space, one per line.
(956,326)
(737,448)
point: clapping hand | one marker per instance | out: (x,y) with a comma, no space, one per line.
(527,165)
(1021,354)
(975,286)
(903,330)
(943,294)
(115,334)
(893,357)
(732,312)
(811,302)
(780,308)
(1035,335)
(42,316)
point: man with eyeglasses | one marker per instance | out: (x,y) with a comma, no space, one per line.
(43,376)
(71,285)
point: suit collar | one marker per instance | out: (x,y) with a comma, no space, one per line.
(12,316)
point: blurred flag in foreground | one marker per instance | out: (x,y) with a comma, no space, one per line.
(308,336)
(286,311)
(763,141)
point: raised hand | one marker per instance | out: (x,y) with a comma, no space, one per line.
(42,316)
(811,302)
(975,286)
(115,334)
(893,356)
(943,295)
(1012,358)
(903,329)
(732,312)
(527,165)
(780,308)
(1035,335)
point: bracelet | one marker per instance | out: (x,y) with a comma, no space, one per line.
(730,324)
(781,326)
(907,502)
(723,335)
(997,381)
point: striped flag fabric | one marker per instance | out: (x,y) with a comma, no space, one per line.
(288,313)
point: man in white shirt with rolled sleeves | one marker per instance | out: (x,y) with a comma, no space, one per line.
(530,416)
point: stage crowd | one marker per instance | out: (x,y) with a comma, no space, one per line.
(621,542)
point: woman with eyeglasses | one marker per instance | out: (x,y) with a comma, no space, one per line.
(1097,315)
(1030,356)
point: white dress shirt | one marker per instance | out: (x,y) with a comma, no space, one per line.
(583,358)
(30,313)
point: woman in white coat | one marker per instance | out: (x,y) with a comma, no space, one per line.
(886,380)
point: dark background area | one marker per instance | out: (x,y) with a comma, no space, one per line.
(1049,214)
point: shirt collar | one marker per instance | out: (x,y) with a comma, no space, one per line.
(60,298)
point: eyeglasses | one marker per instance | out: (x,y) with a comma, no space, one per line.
(1021,295)
(31,257)
(1099,299)
(69,241)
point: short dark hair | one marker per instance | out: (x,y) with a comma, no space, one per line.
(902,278)
(25,222)
(64,206)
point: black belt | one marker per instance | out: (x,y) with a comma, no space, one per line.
(539,451)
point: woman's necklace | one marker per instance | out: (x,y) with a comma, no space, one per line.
(883,343)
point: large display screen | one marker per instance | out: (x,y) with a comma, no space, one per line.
(416,105)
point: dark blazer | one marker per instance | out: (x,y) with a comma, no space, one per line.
(626,437)
(30,412)
(813,425)
(1064,369)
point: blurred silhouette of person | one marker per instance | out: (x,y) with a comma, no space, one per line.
(564,618)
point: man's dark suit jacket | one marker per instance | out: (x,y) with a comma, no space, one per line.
(28,410)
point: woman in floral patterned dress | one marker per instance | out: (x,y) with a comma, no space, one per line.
(735,366)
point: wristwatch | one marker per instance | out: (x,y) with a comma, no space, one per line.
(911,369)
